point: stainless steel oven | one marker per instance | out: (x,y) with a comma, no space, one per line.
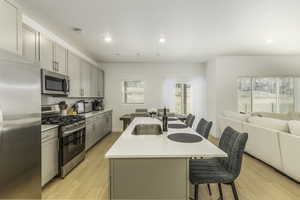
(54,84)
(72,146)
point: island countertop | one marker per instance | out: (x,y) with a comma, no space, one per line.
(159,146)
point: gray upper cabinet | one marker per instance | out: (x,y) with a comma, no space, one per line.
(60,59)
(94,82)
(53,56)
(100,83)
(11,26)
(74,74)
(85,76)
(30,43)
(46,53)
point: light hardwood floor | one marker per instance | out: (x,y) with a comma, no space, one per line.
(89,180)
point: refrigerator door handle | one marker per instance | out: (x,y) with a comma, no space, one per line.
(1,128)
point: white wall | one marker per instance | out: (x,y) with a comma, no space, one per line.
(211,67)
(228,68)
(154,75)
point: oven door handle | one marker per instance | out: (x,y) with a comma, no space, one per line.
(72,131)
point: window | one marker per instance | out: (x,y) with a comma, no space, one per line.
(133,92)
(266,94)
(182,98)
(286,95)
(245,94)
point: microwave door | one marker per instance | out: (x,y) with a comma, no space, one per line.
(53,83)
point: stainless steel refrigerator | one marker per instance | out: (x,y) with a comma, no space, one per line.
(20,128)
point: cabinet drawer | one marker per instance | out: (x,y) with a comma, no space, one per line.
(49,134)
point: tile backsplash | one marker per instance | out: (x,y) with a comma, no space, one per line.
(46,100)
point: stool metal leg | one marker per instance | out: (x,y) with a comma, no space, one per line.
(209,189)
(236,197)
(220,191)
(196,192)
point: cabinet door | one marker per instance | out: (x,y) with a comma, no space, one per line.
(100,83)
(29,45)
(89,135)
(99,127)
(46,53)
(60,59)
(11,26)
(49,160)
(74,75)
(93,82)
(85,78)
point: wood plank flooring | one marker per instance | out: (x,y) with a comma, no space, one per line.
(89,180)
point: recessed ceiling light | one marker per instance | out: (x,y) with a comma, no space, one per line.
(162,40)
(107,39)
(269,41)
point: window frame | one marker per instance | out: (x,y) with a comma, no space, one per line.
(183,97)
(123,93)
(252,79)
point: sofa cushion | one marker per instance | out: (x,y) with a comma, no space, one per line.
(236,115)
(276,124)
(294,127)
(281,116)
(294,116)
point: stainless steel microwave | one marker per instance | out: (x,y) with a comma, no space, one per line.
(54,83)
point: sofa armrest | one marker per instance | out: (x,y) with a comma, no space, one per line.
(263,143)
(290,151)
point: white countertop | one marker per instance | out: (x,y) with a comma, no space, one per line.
(92,114)
(159,146)
(48,127)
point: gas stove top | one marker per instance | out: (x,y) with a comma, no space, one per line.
(62,120)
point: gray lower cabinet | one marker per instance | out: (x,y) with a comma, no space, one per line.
(149,178)
(50,149)
(97,127)
(90,133)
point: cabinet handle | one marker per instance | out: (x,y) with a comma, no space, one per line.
(57,66)
(58,145)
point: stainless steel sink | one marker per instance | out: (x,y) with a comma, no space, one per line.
(147,129)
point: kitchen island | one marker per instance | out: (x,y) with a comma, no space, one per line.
(153,166)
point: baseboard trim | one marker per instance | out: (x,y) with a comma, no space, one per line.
(277,170)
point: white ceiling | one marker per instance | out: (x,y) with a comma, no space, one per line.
(194,29)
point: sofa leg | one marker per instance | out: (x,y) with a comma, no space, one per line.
(220,191)
(236,197)
(196,192)
(209,189)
